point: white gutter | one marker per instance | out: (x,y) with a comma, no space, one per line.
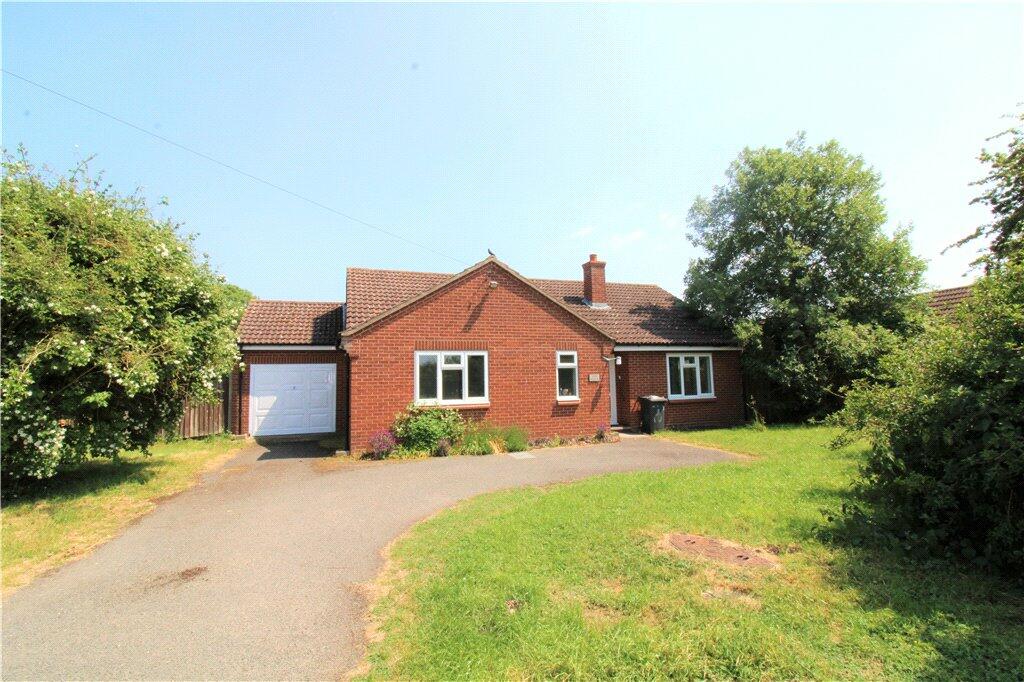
(285,347)
(623,349)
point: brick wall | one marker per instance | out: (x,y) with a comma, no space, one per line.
(645,373)
(518,327)
(239,395)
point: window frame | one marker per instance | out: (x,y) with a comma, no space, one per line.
(463,365)
(574,365)
(701,393)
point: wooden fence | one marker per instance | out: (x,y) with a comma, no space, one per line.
(205,419)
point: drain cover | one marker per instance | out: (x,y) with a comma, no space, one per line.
(721,550)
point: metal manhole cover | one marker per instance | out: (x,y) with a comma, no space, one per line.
(723,551)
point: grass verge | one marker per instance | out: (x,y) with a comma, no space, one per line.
(65,517)
(569,582)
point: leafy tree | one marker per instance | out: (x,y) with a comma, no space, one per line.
(109,323)
(945,419)
(1004,196)
(798,266)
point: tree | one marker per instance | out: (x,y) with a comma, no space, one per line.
(1003,194)
(109,323)
(799,267)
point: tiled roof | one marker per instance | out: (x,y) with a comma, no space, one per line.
(372,292)
(291,323)
(945,301)
(637,313)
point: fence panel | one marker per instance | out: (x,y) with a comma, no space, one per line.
(205,419)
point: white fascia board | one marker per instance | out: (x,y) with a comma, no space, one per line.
(285,347)
(623,349)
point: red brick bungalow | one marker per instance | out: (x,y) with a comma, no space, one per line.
(553,356)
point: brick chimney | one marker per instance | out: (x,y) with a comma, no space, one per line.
(593,283)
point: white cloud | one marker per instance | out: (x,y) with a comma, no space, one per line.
(583,232)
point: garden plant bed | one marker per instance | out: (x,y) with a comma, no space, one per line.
(559,442)
(420,432)
(400,454)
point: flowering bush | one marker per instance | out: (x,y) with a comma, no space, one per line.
(109,323)
(422,428)
(383,443)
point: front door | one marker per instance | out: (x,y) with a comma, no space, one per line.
(614,393)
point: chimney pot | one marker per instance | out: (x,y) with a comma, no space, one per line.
(594,294)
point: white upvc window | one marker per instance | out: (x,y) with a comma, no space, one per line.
(452,377)
(690,376)
(567,375)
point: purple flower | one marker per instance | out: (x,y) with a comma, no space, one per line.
(382,443)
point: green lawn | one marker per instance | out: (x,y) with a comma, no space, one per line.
(70,514)
(567,582)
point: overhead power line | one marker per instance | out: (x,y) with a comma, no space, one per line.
(234,169)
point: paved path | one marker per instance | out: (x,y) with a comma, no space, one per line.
(252,573)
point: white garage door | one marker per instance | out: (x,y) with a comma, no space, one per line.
(287,399)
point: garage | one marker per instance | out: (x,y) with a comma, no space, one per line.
(291,399)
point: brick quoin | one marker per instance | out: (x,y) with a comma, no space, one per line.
(239,389)
(645,373)
(518,327)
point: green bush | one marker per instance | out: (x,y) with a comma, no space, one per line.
(423,428)
(110,321)
(516,439)
(482,438)
(477,440)
(946,425)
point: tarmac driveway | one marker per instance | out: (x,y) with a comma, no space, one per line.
(253,573)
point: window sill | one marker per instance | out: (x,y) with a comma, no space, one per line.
(476,405)
(567,401)
(470,406)
(694,399)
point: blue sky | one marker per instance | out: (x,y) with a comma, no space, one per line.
(542,132)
